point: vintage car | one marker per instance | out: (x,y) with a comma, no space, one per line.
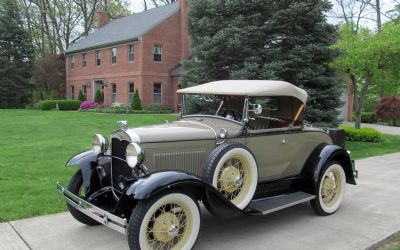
(239,147)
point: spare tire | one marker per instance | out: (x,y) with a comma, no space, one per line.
(232,170)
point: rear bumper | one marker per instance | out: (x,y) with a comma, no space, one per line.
(355,171)
(102,216)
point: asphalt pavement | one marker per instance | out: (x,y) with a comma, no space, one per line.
(370,213)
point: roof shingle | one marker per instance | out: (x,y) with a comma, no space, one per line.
(125,29)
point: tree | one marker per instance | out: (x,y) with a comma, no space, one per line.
(81,97)
(49,77)
(136,103)
(286,40)
(364,55)
(15,57)
(98,97)
(388,109)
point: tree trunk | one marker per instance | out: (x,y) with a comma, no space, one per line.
(378,15)
(361,98)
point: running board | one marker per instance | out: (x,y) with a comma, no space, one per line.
(272,204)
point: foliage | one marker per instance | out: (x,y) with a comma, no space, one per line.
(362,134)
(15,57)
(81,97)
(388,109)
(366,55)
(34,148)
(136,103)
(87,105)
(98,97)
(49,76)
(62,104)
(261,39)
(367,117)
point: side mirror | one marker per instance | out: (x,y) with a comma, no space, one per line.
(257,109)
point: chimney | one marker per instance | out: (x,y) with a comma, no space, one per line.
(101,19)
(185,39)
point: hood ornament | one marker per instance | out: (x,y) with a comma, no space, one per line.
(123,125)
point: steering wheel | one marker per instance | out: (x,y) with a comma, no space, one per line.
(232,114)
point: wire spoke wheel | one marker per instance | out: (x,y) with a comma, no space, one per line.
(170,221)
(233,179)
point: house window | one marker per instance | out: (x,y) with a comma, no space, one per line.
(131,91)
(84,61)
(72,92)
(84,90)
(157,93)
(113,92)
(157,53)
(72,61)
(131,53)
(113,55)
(98,57)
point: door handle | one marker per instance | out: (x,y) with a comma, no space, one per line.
(284,141)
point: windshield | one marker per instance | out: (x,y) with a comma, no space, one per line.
(230,107)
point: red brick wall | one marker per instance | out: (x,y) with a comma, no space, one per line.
(143,72)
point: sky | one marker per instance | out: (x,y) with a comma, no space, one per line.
(137,6)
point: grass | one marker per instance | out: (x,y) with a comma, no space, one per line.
(393,244)
(34,146)
(359,150)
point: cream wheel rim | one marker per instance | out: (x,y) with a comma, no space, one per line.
(234,179)
(331,187)
(170,226)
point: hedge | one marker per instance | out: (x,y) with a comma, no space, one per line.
(366,117)
(362,134)
(62,104)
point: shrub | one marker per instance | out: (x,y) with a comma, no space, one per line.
(62,104)
(81,97)
(367,117)
(98,97)
(388,109)
(362,134)
(87,105)
(136,103)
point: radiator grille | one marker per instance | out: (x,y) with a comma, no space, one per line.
(119,165)
(191,161)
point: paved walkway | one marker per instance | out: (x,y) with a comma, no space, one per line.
(391,130)
(369,213)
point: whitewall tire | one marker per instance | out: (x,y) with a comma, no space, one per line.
(331,189)
(170,221)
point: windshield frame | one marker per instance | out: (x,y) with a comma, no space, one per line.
(242,122)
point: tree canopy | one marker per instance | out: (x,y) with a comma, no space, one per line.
(15,57)
(261,39)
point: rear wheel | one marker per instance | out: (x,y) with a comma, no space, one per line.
(75,186)
(169,221)
(331,189)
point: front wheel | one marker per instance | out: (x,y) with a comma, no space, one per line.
(169,221)
(331,189)
(75,186)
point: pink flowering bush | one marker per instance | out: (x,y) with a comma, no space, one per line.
(87,105)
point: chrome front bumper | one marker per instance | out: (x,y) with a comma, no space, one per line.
(102,216)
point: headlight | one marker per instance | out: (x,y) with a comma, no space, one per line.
(99,144)
(134,154)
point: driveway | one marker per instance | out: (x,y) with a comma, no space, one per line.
(369,213)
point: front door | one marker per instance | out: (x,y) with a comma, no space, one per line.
(97,84)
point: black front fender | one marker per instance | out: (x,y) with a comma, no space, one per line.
(88,161)
(160,182)
(323,154)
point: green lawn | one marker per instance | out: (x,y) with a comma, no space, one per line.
(34,146)
(389,144)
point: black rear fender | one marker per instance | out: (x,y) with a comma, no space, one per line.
(320,156)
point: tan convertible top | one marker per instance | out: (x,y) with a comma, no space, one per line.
(247,88)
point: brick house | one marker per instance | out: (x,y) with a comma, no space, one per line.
(143,52)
